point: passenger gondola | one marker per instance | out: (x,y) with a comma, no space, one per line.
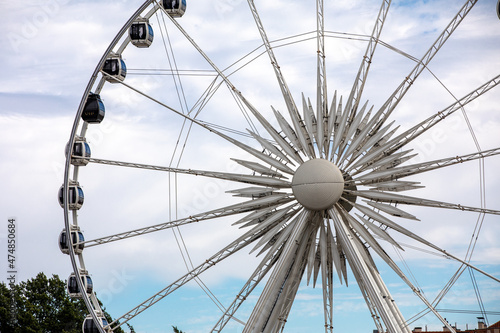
(141,33)
(72,285)
(75,196)
(76,238)
(115,67)
(498,9)
(174,8)
(94,110)
(90,327)
(80,154)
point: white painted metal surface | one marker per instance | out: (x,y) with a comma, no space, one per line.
(309,169)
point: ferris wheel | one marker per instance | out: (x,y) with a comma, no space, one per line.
(317,191)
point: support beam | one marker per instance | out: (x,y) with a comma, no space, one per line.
(240,243)
(302,134)
(389,106)
(356,258)
(322,97)
(264,307)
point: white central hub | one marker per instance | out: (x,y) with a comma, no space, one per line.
(317,184)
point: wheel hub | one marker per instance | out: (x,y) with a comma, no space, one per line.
(317,184)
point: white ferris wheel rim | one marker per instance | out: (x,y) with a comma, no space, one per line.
(78,126)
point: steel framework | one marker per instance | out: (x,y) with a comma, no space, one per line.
(296,243)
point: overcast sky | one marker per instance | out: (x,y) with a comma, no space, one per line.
(49,49)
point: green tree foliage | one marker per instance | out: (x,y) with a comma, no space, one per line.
(41,305)
(176,330)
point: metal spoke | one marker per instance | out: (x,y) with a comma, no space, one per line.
(359,83)
(338,129)
(292,285)
(381,219)
(389,106)
(232,88)
(410,170)
(322,96)
(407,200)
(288,130)
(306,147)
(266,158)
(417,130)
(278,218)
(259,168)
(264,267)
(370,142)
(240,243)
(380,251)
(356,259)
(294,244)
(326,276)
(359,140)
(270,202)
(310,121)
(286,297)
(390,161)
(355,124)
(270,147)
(249,179)
(264,307)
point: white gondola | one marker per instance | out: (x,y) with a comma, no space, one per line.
(75,196)
(94,110)
(115,67)
(174,8)
(80,154)
(89,326)
(141,33)
(72,285)
(76,238)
